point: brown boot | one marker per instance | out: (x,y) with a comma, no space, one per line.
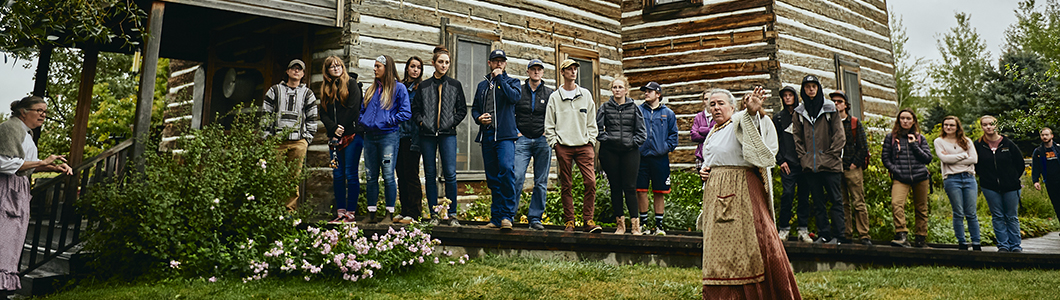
(620,225)
(635,225)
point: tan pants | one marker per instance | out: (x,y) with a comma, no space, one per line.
(854,202)
(294,151)
(899,192)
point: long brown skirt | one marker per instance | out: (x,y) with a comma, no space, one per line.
(779,280)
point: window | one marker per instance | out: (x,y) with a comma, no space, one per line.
(470,68)
(655,10)
(588,69)
(848,79)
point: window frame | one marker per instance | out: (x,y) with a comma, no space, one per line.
(653,12)
(856,101)
(567,51)
(454,36)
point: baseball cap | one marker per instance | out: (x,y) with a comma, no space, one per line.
(651,86)
(535,62)
(498,53)
(567,63)
(296,62)
(840,93)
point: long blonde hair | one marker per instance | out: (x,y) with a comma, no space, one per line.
(386,84)
(334,89)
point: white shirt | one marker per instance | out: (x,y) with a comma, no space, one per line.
(723,149)
(10,165)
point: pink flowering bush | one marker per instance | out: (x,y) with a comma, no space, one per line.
(344,252)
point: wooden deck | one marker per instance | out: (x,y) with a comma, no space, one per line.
(684,249)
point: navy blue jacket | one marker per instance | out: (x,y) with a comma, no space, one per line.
(505,92)
(1044,167)
(661,124)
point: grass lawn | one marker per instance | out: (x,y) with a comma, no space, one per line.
(520,278)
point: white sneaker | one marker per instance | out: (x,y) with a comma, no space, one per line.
(783,232)
(804,235)
(659,231)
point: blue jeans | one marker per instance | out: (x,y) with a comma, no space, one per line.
(347,183)
(963,192)
(500,177)
(526,148)
(431,146)
(380,151)
(1004,207)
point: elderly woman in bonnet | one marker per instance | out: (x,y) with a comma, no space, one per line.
(743,257)
(18,160)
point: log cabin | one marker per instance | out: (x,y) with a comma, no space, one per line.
(688,46)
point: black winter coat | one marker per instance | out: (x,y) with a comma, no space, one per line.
(857,147)
(621,125)
(345,115)
(787,153)
(439,115)
(907,163)
(999,170)
(531,120)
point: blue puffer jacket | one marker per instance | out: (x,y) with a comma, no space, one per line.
(505,92)
(661,124)
(376,120)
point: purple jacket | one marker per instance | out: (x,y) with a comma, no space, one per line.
(701,126)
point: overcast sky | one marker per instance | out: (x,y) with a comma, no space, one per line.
(924,21)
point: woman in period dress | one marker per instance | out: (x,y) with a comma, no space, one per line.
(743,258)
(18,161)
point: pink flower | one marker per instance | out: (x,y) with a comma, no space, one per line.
(174,264)
(212,279)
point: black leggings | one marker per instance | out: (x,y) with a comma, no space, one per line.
(621,167)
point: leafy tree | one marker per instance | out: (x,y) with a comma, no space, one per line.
(958,77)
(27,25)
(1036,31)
(908,70)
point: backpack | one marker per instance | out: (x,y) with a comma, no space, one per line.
(854,133)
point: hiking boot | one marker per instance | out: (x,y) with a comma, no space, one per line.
(620,225)
(569,226)
(453,222)
(371,218)
(388,219)
(506,225)
(536,225)
(591,227)
(397,218)
(406,220)
(804,235)
(920,241)
(783,232)
(977,247)
(634,226)
(962,247)
(900,240)
(434,220)
(490,225)
(866,242)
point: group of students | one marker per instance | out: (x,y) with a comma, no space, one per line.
(823,152)
(396,121)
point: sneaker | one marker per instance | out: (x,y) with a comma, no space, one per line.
(804,235)
(835,241)
(569,226)
(433,222)
(977,247)
(591,227)
(901,239)
(397,218)
(783,232)
(453,222)
(866,242)
(506,225)
(341,219)
(1017,250)
(962,247)
(821,240)
(406,220)
(1003,250)
(660,231)
(491,226)
(535,225)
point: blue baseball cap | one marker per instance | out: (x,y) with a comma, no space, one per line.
(498,53)
(535,62)
(651,86)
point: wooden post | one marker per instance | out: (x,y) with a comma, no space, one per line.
(142,120)
(84,106)
(81,112)
(40,80)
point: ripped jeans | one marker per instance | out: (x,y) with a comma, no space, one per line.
(380,151)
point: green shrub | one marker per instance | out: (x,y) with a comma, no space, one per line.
(226,187)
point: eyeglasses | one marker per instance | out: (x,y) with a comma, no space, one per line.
(39,111)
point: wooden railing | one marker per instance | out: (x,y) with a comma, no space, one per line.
(55,223)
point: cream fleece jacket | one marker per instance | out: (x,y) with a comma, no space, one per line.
(571,122)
